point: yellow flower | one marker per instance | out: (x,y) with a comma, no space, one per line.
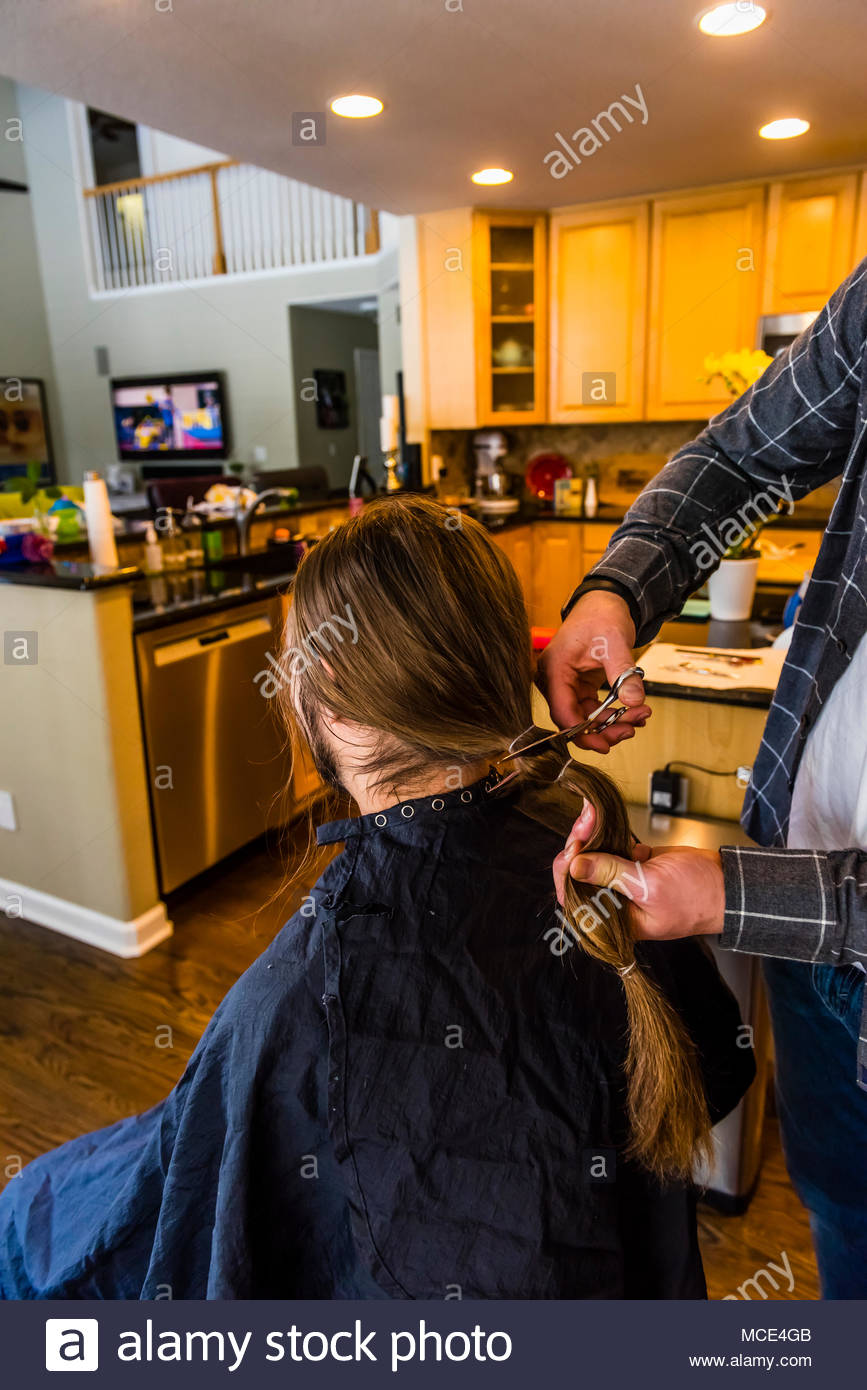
(738,370)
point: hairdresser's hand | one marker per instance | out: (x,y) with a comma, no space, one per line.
(675,891)
(593,647)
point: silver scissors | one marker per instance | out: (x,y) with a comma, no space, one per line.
(535,739)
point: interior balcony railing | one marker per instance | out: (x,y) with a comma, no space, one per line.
(218,219)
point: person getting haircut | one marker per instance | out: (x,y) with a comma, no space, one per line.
(433,1083)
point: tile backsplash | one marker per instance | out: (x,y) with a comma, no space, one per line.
(627,455)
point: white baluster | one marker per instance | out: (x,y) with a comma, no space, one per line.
(104,242)
(224,193)
(296,233)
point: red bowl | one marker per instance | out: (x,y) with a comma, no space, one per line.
(543,470)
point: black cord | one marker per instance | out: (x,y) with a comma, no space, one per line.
(696,767)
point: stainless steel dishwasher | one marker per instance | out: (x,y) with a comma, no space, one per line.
(216,761)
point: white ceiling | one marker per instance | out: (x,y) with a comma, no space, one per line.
(467,83)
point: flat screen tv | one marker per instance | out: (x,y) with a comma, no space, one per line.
(170,417)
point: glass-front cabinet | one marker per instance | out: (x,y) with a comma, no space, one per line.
(511,293)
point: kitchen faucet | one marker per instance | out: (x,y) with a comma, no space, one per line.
(244,515)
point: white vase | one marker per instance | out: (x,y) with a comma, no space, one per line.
(731,589)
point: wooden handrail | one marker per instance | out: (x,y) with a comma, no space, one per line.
(130,185)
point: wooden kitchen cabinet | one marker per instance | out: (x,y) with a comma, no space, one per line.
(598,312)
(511,317)
(517,543)
(596,537)
(701,302)
(859,249)
(786,553)
(558,568)
(438,324)
(717,736)
(809,247)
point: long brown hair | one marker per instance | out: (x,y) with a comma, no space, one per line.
(407,620)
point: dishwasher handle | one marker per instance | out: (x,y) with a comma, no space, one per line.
(200,644)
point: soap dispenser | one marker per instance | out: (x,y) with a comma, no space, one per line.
(153,555)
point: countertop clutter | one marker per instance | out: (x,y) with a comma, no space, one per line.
(550,553)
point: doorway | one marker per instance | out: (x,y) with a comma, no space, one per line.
(334,348)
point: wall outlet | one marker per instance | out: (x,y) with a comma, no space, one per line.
(260,453)
(7,812)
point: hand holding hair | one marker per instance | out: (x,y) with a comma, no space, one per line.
(602,904)
(672,892)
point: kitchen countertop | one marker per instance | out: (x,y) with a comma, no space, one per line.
(166,598)
(160,600)
(67,574)
(803,518)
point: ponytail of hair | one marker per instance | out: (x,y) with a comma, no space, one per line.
(666,1105)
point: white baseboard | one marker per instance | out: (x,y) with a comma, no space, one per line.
(122,938)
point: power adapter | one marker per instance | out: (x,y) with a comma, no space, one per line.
(668,792)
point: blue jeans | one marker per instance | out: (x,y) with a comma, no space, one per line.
(816,1012)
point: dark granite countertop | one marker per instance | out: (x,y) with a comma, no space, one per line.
(163,599)
(67,574)
(611,514)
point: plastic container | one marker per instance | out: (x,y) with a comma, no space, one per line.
(192,527)
(153,552)
(732,588)
(212,544)
(100,523)
(173,544)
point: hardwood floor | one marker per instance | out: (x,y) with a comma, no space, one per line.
(773,1228)
(86,1038)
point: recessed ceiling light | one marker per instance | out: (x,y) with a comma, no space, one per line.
(356,106)
(784,129)
(493,176)
(739,17)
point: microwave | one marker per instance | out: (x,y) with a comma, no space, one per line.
(777,331)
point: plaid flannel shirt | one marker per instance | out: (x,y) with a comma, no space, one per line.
(803,423)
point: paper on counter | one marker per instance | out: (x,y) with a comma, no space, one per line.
(709,668)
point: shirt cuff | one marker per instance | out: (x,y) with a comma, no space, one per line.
(778,902)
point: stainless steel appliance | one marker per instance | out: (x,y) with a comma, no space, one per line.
(216,763)
(489,446)
(776,331)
